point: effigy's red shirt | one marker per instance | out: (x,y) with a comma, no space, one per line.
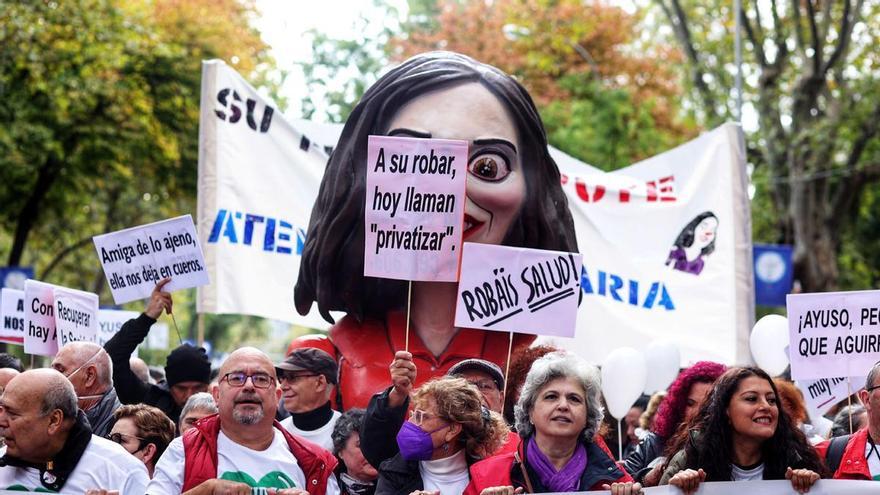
(365,351)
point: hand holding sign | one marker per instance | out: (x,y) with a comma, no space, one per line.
(159,300)
(403,376)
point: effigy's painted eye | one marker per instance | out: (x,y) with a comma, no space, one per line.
(489,167)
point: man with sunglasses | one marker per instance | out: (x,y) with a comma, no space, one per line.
(49,445)
(307,378)
(90,371)
(857,456)
(243,447)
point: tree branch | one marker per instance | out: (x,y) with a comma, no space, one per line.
(678,20)
(753,38)
(817,42)
(848,191)
(798,27)
(63,254)
(843,37)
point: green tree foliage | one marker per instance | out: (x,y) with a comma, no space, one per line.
(605,95)
(100,104)
(812,79)
(340,70)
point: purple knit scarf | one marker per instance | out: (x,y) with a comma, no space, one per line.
(568,478)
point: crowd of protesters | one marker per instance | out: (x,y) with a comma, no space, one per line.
(90,424)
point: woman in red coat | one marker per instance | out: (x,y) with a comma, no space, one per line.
(513,197)
(557,417)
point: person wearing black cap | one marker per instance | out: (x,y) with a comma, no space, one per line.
(307,378)
(187,368)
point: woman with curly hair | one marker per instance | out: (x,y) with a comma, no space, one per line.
(686,394)
(557,417)
(742,434)
(449,428)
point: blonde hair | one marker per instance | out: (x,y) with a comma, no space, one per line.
(483,431)
(647,417)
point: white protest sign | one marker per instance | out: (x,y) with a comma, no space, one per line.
(764,487)
(833,334)
(12,316)
(822,394)
(110,321)
(158,336)
(135,259)
(76,315)
(39,318)
(518,290)
(414,208)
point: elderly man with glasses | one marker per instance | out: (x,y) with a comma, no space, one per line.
(857,456)
(90,371)
(307,378)
(243,447)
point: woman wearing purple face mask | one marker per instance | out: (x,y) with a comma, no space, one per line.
(448,430)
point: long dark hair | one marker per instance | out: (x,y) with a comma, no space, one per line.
(332,267)
(687,235)
(712,448)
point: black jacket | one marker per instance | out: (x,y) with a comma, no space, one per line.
(397,476)
(650,448)
(380,427)
(129,388)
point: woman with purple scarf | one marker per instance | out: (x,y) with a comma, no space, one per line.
(557,417)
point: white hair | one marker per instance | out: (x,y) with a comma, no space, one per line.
(548,368)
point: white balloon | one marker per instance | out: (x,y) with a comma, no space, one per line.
(664,360)
(769,344)
(623,378)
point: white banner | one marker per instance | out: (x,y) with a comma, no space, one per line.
(644,231)
(135,259)
(762,487)
(258,179)
(667,251)
(76,315)
(12,316)
(39,318)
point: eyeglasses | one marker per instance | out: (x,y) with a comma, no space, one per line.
(120,438)
(238,379)
(290,377)
(875,387)
(417,416)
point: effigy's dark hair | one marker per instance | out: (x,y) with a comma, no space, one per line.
(712,449)
(670,414)
(331,272)
(686,237)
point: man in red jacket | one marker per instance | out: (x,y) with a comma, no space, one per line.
(860,459)
(243,447)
